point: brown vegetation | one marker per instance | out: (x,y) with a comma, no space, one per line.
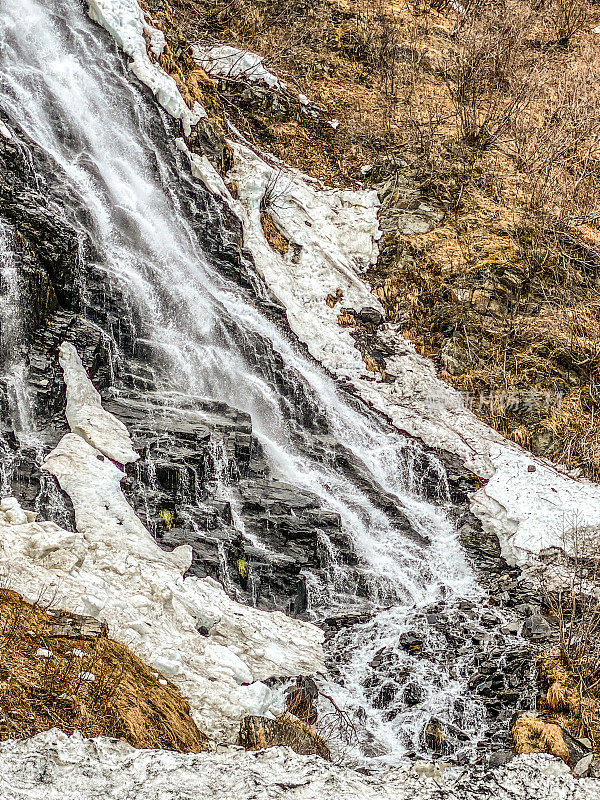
(258,733)
(273,236)
(570,673)
(532,735)
(56,670)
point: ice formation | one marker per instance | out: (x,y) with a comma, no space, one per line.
(124,20)
(112,569)
(85,414)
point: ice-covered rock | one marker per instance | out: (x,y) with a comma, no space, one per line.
(53,766)
(112,569)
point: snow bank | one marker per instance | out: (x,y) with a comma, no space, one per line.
(112,569)
(228,62)
(125,22)
(85,414)
(333,237)
(53,766)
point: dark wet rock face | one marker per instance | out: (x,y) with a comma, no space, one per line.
(201,470)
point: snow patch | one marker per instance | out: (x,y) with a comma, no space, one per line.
(201,168)
(54,766)
(125,22)
(332,235)
(224,61)
(85,414)
(157,40)
(111,568)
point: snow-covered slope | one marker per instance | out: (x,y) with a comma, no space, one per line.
(112,569)
(333,238)
(52,766)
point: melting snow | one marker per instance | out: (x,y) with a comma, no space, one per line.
(54,766)
(112,568)
(85,414)
(229,62)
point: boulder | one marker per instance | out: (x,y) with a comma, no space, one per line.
(442,738)
(259,733)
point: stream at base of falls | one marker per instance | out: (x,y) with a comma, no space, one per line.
(408,624)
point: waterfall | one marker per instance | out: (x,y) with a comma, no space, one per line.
(68,90)
(13,365)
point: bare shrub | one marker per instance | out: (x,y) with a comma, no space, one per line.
(572,592)
(487,75)
(568,17)
(570,672)
(557,149)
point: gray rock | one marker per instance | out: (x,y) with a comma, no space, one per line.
(594,769)
(536,627)
(370,316)
(582,766)
(454,359)
(500,757)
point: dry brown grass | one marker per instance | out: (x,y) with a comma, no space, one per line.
(125,700)
(273,236)
(568,699)
(533,735)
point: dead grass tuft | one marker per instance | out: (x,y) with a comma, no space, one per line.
(273,236)
(533,735)
(58,674)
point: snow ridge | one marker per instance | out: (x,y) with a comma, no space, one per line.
(125,22)
(85,414)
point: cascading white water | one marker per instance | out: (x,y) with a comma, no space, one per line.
(14,369)
(69,93)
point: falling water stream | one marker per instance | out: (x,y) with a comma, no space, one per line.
(67,88)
